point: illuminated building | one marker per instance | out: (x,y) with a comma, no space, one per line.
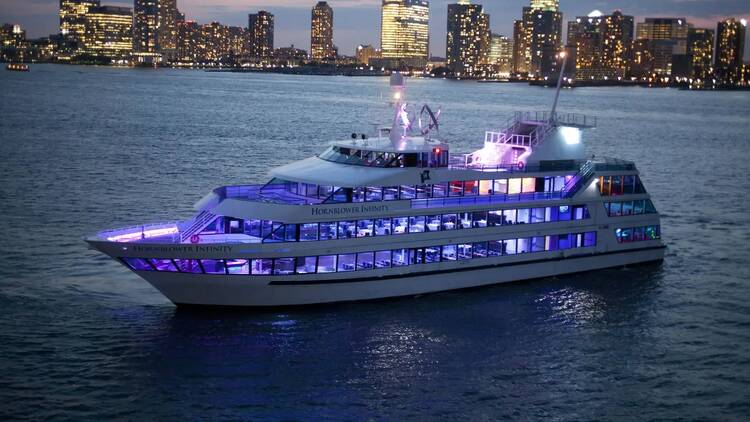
(664,31)
(236,40)
(538,39)
(468,41)
(145,26)
(321,32)
(501,53)
(700,51)
(290,56)
(72,21)
(189,45)
(366,52)
(404,30)
(601,43)
(13,44)
(214,42)
(730,47)
(167,28)
(109,32)
(260,34)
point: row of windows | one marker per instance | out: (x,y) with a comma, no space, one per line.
(367,260)
(620,185)
(362,157)
(335,194)
(637,234)
(617,209)
(277,232)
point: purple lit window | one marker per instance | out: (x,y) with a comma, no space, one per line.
(283,266)
(138,264)
(327,264)
(238,266)
(589,239)
(213,266)
(261,266)
(189,266)
(347,262)
(164,265)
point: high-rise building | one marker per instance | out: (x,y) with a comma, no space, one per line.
(146,26)
(13,44)
(366,52)
(601,44)
(321,32)
(538,39)
(664,31)
(730,48)
(260,34)
(167,28)
(72,21)
(189,43)
(468,41)
(700,52)
(404,32)
(501,53)
(109,32)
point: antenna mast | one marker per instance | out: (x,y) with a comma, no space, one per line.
(552,117)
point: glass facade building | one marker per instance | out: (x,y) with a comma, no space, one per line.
(404,31)
(601,44)
(730,49)
(73,21)
(321,32)
(109,32)
(260,29)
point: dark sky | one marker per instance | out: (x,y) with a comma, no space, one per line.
(358,21)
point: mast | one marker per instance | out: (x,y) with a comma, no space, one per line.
(552,117)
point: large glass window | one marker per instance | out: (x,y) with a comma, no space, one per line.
(500,187)
(374,193)
(479,249)
(308,232)
(400,225)
(164,265)
(449,221)
(523,216)
(365,228)
(537,215)
(494,218)
(283,266)
(439,190)
(383,227)
(400,257)
(189,266)
(390,193)
(479,219)
(347,262)
(494,248)
(383,259)
(213,266)
(464,220)
(432,254)
(456,188)
(238,266)
(347,229)
(485,187)
(433,223)
(509,217)
(564,213)
(537,244)
(365,260)
(306,264)
(261,266)
(464,251)
(589,239)
(416,224)
(327,264)
(408,192)
(514,186)
(327,231)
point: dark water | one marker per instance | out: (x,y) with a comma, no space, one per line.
(81,338)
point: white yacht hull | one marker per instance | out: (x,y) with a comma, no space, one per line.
(278,291)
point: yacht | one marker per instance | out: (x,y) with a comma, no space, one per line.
(17,67)
(399,214)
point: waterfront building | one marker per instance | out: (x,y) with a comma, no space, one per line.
(290,56)
(13,44)
(501,54)
(236,40)
(700,52)
(366,52)
(260,34)
(73,22)
(215,42)
(730,49)
(109,32)
(538,39)
(468,39)
(404,31)
(189,44)
(167,28)
(321,32)
(601,44)
(666,32)
(146,31)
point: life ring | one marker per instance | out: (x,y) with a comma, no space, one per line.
(195,239)
(520,165)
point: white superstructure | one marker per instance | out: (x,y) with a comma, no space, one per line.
(398,214)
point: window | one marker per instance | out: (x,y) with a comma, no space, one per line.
(365,228)
(510,247)
(479,250)
(551,214)
(306,264)
(523,245)
(523,216)
(514,186)
(449,253)
(528,184)
(589,239)
(500,187)
(550,243)
(495,248)
(439,190)
(456,188)
(449,221)
(327,231)
(485,187)
(400,225)
(347,262)
(564,213)
(238,266)
(164,265)
(416,224)
(471,188)
(400,257)
(390,193)
(365,260)
(308,232)
(494,218)
(432,254)
(327,264)
(537,215)
(537,244)
(408,192)
(509,217)
(464,220)
(479,219)
(383,259)
(283,266)
(347,229)
(138,264)
(627,208)
(261,266)
(433,223)
(383,227)
(464,251)
(189,266)
(213,266)
(565,241)
(374,194)
(653,232)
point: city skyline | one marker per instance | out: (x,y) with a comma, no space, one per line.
(358,21)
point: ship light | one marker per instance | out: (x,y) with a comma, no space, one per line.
(571,135)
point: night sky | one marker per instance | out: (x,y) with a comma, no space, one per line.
(358,21)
